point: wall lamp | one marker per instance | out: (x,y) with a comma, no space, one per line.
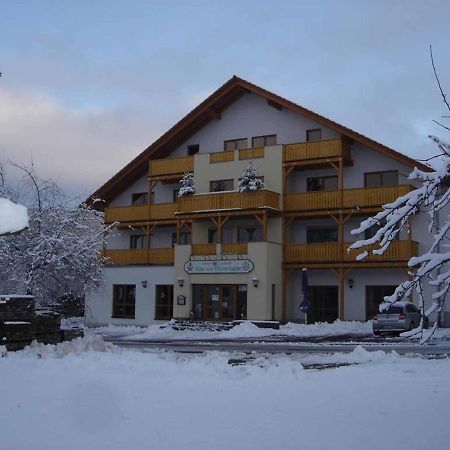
(180,282)
(255,282)
(350,283)
(144,283)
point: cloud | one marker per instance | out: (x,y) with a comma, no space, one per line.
(82,148)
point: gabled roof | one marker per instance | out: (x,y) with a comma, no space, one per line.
(211,109)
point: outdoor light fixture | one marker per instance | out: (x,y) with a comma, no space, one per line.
(255,282)
(350,283)
(180,282)
(144,283)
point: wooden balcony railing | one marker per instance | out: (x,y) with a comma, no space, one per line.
(305,151)
(235,248)
(204,249)
(158,211)
(156,256)
(229,200)
(335,252)
(251,153)
(218,157)
(348,199)
(171,166)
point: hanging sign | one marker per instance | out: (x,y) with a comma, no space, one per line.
(219,266)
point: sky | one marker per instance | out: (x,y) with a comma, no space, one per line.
(87,85)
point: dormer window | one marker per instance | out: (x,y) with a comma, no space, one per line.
(314,135)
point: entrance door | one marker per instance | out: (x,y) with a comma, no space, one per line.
(220,302)
(324,304)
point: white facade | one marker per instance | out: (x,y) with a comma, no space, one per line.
(250,116)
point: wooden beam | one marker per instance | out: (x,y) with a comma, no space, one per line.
(341,279)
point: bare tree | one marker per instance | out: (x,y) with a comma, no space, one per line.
(431,197)
(61,251)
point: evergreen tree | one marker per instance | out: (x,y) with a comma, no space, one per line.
(187,185)
(250,179)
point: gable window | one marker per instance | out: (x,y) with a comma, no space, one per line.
(124,300)
(263,141)
(185,238)
(139,198)
(316,235)
(377,179)
(137,241)
(235,144)
(250,234)
(221,185)
(193,149)
(314,135)
(329,183)
(164,302)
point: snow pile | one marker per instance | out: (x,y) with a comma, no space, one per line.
(13,217)
(323,329)
(246,329)
(91,343)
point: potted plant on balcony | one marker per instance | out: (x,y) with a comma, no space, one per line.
(187,185)
(250,179)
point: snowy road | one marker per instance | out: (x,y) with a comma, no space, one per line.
(440,348)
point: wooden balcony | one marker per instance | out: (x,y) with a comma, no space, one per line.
(235,248)
(134,214)
(170,167)
(230,200)
(310,152)
(203,249)
(358,198)
(218,157)
(251,153)
(333,253)
(153,256)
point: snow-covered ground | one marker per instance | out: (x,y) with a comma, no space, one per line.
(242,331)
(246,330)
(92,395)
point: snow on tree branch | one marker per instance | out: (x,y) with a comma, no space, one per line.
(187,185)
(250,179)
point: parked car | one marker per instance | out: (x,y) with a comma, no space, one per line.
(398,317)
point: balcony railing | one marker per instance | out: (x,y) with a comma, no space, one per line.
(156,256)
(347,199)
(251,153)
(204,249)
(228,200)
(158,211)
(171,166)
(235,248)
(218,157)
(306,151)
(335,252)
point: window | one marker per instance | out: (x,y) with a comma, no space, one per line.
(375,296)
(316,235)
(329,183)
(314,135)
(376,179)
(164,302)
(227,236)
(250,234)
(193,149)
(124,299)
(140,198)
(235,144)
(185,238)
(175,195)
(263,141)
(371,231)
(221,185)
(137,241)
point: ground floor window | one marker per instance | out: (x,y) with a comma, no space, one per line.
(164,302)
(375,296)
(124,301)
(220,302)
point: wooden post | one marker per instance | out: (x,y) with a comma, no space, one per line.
(283,294)
(265,226)
(341,278)
(178,231)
